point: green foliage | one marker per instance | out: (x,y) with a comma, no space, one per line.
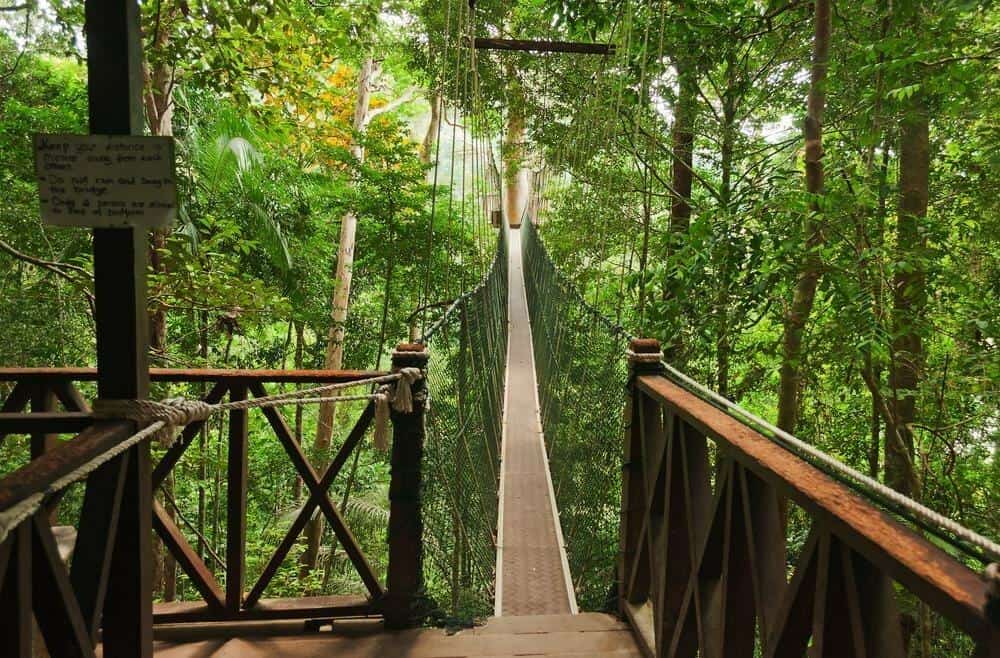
(261,100)
(262,96)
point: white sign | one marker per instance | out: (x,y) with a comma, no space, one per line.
(106,180)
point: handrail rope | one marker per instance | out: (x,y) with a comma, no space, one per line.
(173,413)
(927,518)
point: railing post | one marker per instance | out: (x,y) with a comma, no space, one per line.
(236,503)
(42,400)
(644,357)
(115,87)
(405,581)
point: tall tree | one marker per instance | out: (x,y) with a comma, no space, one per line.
(364,113)
(517,176)
(909,293)
(789,385)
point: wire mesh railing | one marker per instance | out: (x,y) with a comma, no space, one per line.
(581,371)
(468,348)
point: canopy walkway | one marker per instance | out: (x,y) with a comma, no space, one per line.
(697,554)
(555,487)
(532,572)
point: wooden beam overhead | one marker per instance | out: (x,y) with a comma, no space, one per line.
(545,46)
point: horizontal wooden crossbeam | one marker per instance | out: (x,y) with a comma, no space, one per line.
(42,375)
(545,46)
(49,422)
(37,476)
(185,612)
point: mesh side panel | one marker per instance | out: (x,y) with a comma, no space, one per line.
(468,353)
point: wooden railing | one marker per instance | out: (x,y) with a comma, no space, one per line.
(703,545)
(68,603)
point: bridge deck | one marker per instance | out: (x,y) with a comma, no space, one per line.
(532,574)
(566,636)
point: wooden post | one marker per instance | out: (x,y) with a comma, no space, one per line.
(15,593)
(236,505)
(43,400)
(405,582)
(114,85)
(640,362)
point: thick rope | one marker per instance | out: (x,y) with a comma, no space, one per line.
(21,511)
(166,418)
(175,413)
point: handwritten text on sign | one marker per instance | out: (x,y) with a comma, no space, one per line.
(106,180)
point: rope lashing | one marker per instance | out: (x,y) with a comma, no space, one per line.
(175,413)
(167,417)
(644,357)
(170,413)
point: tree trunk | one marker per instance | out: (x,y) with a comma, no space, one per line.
(809,272)
(909,295)
(682,139)
(299,345)
(169,563)
(427,147)
(159,106)
(516,176)
(681,178)
(202,438)
(341,296)
(723,341)
(647,223)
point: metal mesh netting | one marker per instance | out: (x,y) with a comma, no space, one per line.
(468,351)
(582,372)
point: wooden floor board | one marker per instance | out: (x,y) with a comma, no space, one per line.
(566,636)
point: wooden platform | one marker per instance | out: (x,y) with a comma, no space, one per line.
(566,636)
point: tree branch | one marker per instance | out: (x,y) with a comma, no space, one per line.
(61,269)
(405,98)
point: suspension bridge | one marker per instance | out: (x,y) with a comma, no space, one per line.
(556,488)
(697,559)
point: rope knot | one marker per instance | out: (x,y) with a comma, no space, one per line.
(174,413)
(397,396)
(402,399)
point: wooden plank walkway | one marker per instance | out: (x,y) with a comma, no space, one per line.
(565,636)
(532,573)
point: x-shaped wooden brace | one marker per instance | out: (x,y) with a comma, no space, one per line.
(318,496)
(66,604)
